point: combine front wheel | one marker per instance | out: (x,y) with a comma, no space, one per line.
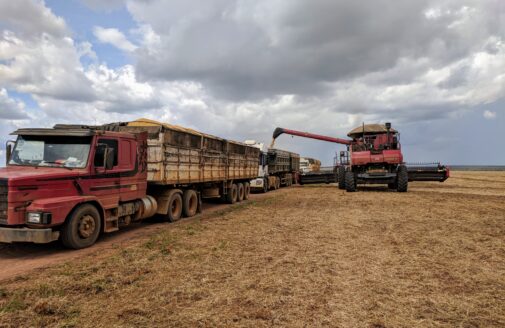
(402,179)
(341,177)
(350,181)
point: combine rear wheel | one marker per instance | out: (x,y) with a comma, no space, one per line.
(350,182)
(402,179)
(341,177)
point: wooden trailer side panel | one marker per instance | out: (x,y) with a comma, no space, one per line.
(177,155)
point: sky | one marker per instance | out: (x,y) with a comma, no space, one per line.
(240,68)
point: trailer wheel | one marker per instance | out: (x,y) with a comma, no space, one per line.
(350,181)
(82,228)
(247,190)
(174,207)
(189,203)
(402,179)
(341,177)
(240,192)
(231,197)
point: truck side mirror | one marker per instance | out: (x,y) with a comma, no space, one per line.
(8,151)
(109,158)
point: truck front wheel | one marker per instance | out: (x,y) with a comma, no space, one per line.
(265,185)
(82,228)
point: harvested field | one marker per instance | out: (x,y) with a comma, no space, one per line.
(305,256)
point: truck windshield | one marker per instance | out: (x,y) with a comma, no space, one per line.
(70,152)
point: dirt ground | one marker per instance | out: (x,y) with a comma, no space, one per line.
(308,256)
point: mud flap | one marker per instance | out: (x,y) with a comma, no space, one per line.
(199,208)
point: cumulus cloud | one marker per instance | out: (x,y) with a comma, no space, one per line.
(114,37)
(265,48)
(238,68)
(29,17)
(489,115)
(11,109)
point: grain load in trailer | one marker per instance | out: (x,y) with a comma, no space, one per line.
(209,165)
(284,165)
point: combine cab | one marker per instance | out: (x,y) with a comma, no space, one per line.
(373,156)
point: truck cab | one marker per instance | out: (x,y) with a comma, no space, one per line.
(261,182)
(71,183)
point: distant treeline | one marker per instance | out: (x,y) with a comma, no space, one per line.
(477,167)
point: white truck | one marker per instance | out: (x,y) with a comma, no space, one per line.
(276,168)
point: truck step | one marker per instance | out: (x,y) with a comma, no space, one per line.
(111,224)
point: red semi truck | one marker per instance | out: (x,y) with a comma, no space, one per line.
(75,182)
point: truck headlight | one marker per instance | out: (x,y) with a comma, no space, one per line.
(39,218)
(34,217)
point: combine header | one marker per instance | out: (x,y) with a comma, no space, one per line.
(373,156)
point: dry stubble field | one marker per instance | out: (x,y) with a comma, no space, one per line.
(309,256)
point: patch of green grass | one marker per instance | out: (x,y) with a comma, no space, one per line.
(16,303)
(194,228)
(44,291)
(163,241)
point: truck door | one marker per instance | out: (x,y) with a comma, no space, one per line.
(106,183)
(132,186)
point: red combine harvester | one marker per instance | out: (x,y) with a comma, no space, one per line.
(373,156)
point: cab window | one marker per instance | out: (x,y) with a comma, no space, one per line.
(99,155)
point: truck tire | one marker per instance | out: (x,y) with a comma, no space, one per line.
(82,227)
(265,186)
(402,179)
(240,192)
(231,197)
(247,190)
(174,207)
(341,177)
(350,181)
(189,203)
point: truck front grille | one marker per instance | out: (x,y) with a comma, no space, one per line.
(3,201)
